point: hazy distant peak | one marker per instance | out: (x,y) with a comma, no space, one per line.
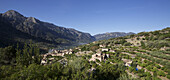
(131,32)
(109,35)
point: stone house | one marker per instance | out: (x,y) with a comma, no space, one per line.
(139,67)
(127,62)
(105,49)
(99,56)
(43,61)
(112,51)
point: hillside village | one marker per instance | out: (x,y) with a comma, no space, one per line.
(142,56)
(136,52)
(50,56)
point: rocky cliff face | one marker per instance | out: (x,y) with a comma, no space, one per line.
(42,30)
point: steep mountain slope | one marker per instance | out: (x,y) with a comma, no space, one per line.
(106,36)
(29,28)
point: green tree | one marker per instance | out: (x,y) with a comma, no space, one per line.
(148,74)
(131,69)
(28,55)
(7,55)
(127,44)
(155,74)
(154,69)
(142,44)
(37,56)
(161,73)
(149,67)
(168,76)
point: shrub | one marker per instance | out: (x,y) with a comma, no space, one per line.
(154,69)
(143,64)
(127,44)
(154,74)
(162,68)
(142,44)
(161,73)
(131,69)
(168,76)
(97,60)
(138,38)
(141,74)
(155,78)
(148,74)
(149,67)
(156,65)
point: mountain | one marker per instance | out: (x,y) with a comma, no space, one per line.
(106,36)
(16,28)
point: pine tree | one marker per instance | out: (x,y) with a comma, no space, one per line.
(28,55)
(37,57)
(18,55)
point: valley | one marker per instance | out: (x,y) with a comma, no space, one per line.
(71,54)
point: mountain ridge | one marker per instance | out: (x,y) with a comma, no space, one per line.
(45,33)
(43,30)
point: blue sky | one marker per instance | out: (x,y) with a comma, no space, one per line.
(96,16)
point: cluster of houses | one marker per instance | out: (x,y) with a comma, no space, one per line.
(100,55)
(50,55)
